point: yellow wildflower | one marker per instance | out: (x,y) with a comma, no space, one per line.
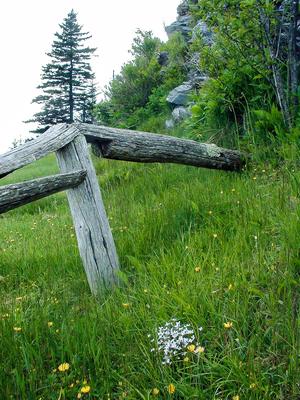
(63,367)
(200,349)
(191,348)
(215,235)
(50,323)
(155,391)
(85,389)
(228,325)
(17,329)
(171,388)
(237,397)
(252,385)
(197,269)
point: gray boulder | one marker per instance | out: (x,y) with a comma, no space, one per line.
(163,58)
(180,113)
(182,25)
(179,95)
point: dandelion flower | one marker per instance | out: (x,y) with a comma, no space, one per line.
(200,350)
(171,388)
(252,386)
(191,348)
(197,269)
(155,391)
(17,329)
(63,367)
(228,325)
(50,323)
(237,397)
(85,389)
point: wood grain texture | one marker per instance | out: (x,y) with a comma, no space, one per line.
(95,241)
(53,139)
(121,144)
(16,195)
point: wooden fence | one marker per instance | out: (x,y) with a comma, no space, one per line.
(69,142)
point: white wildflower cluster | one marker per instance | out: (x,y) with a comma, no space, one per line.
(175,340)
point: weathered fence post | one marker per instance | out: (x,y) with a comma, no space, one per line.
(95,241)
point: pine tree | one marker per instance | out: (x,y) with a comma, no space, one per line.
(68,90)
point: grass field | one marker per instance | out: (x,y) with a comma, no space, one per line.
(212,249)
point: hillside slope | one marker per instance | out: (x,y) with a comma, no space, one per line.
(212,249)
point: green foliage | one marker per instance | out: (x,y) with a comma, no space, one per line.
(240,64)
(138,93)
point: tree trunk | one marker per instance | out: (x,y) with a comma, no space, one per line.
(293,58)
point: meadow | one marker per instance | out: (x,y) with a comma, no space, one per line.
(210,248)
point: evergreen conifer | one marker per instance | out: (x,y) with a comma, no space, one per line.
(68,89)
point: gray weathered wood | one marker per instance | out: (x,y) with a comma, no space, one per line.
(52,140)
(95,241)
(16,195)
(121,144)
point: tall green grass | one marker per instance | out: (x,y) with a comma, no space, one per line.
(205,247)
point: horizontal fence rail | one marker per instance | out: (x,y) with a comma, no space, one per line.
(19,194)
(127,145)
(56,137)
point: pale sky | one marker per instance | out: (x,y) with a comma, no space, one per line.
(27,31)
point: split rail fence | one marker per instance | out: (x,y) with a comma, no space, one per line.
(78,177)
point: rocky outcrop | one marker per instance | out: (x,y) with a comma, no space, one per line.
(178,98)
(201,30)
(182,23)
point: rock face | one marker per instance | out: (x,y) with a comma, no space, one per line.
(178,98)
(182,25)
(201,30)
(180,113)
(179,95)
